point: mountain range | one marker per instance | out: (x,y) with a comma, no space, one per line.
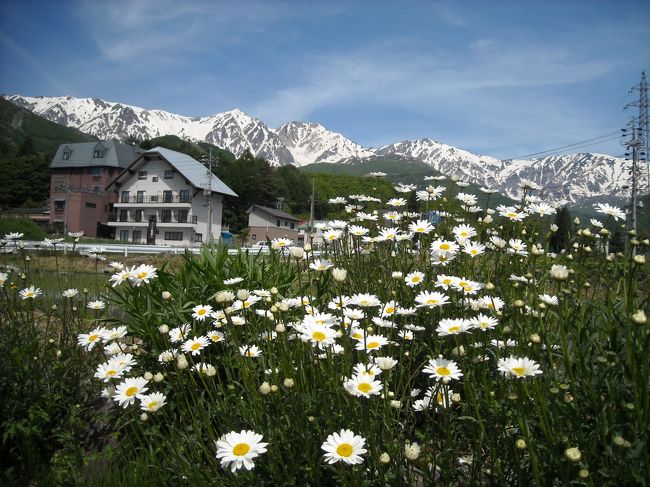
(571,178)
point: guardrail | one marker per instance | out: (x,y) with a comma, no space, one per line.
(126,249)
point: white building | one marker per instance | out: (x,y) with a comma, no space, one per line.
(164,198)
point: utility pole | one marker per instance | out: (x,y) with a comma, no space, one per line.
(208,193)
(311,209)
(636,140)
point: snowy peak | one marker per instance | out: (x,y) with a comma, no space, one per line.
(311,142)
(564,178)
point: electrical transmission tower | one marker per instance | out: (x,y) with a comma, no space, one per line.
(636,142)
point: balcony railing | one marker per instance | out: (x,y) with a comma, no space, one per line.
(155,199)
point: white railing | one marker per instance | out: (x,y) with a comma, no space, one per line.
(123,249)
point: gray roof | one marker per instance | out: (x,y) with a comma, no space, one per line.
(116,154)
(188,167)
(273,212)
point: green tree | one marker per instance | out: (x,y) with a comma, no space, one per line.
(560,239)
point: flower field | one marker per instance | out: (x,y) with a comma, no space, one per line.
(465,349)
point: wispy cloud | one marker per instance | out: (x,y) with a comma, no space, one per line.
(422,82)
(33,63)
(449,12)
(151,30)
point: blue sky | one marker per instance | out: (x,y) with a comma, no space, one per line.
(504,78)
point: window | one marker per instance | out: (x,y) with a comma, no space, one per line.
(182,216)
(198,237)
(277,223)
(91,205)
(184,195)
(286,224)
(66,155)
(169,174)
(153,199)
(254,236)
(125,197)
(96,171)
(167,196)
(140,197)
(59,205)
(124,235)
(166,216)
(154,179)
(97,189)
(173,235)
(124,216)
(139,214)
(137,236)
(98,154)
(195,219)
(291,226)
(142,174)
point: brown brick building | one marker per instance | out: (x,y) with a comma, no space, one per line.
(80,173)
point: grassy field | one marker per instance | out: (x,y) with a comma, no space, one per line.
(469,352)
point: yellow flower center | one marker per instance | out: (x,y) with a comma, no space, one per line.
(443,371)
(201,312)
(245,304)
(318,335)
(444,247)
(93,338)
(111,372)
(142,275)
(372,345)
(152,405)
(390,310)
(344,450)
(512,215)
(432,301)
(364,387)
(196,346)
(518,370)
(357,335)
(241,449)
(473,251)
(454,329)
(131,391)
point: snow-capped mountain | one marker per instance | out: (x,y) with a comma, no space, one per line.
(311,142)
(232,130)
(564,179)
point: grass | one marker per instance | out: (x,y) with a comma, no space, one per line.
(286,344)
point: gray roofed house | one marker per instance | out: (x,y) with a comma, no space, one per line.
(268,223)
(167,197)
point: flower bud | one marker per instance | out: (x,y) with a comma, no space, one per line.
(265,388)
(288,383)
(158,377)
(572,454)
(339,274)
(639,317)
(181,362)
(166,295)
(384,458)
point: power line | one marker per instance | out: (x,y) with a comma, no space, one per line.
(582,143)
